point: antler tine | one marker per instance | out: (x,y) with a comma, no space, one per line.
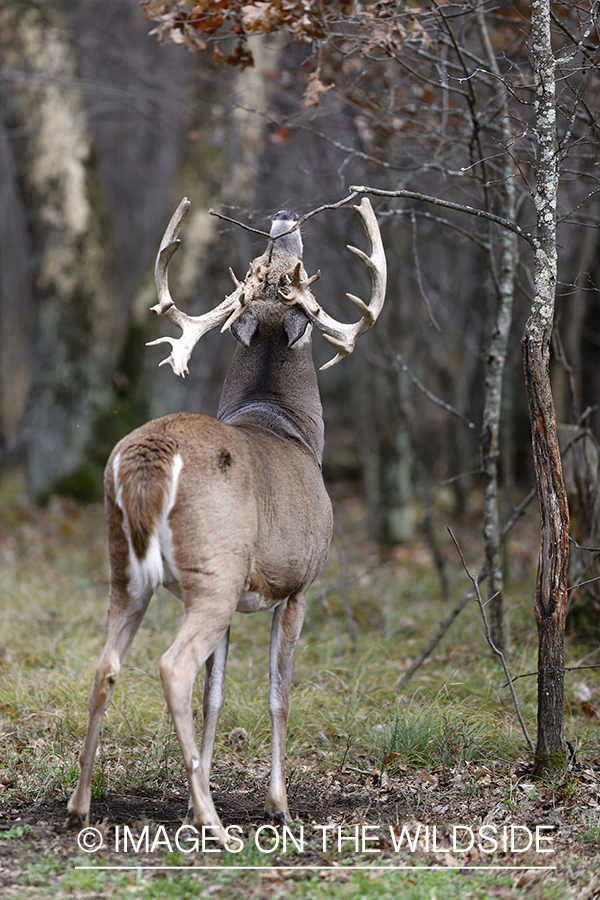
(343,336)
(168,245)
(192,327)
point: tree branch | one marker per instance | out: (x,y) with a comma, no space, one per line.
(448,204)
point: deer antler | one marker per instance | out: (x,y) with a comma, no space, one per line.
(343,336)
(192,327)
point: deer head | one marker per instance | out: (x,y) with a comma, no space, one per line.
(294,291)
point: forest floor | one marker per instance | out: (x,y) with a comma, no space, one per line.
(410,789)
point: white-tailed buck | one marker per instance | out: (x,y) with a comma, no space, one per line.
(228,513)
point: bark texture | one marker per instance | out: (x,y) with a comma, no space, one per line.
(68,239)
(16,350)
(553,564)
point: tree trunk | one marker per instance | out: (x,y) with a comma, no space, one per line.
(16,350)
(70,243)
(496,361)
(551,586)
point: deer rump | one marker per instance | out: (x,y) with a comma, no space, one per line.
(241,526)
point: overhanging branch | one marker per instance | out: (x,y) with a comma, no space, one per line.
(449,204)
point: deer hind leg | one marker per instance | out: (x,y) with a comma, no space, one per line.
(285,631)
(202,636)
(125,614)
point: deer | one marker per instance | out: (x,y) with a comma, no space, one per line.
(228,513)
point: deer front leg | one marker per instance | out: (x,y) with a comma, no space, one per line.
(125,614)
(213,701)
(212,706)
(285,631)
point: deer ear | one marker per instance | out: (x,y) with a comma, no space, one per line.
(244,327)
(298,329)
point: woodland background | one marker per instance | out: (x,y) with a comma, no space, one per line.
(103,128)
(108,117)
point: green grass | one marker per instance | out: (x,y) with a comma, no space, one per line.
(445,736)
(362,886)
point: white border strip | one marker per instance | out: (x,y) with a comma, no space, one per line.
(225,868)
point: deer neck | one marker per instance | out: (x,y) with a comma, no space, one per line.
(274,388)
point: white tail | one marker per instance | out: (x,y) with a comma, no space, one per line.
(228,513)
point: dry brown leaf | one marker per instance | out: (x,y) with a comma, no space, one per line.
(315,89)
(257,16)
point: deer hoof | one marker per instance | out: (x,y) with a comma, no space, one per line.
(75,821)
(277,817)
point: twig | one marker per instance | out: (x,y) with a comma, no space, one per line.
(407,195)
(434,321)
(295,226)
(434,399)
(325,206)
(579,547)
(567,669)
(346,751)
(579,43)
(517,513)
(454,478)
(213,212)
(582,583)
(429,530)
(423,214)
(562,358)
(440,634)
(488,637)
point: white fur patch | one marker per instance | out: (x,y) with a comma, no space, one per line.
(305,339)
(275,704)
(165,538)
(145,575)
(217,676)
(250,602)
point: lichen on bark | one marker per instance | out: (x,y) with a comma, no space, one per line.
(551,587)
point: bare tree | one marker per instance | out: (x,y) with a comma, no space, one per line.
(551,588)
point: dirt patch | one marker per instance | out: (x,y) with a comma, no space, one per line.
(423,819)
